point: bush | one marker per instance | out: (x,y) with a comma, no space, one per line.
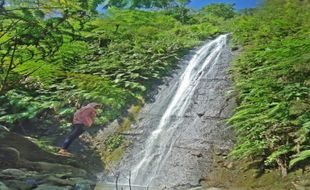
(113,142)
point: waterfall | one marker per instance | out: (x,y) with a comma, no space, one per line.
(160,142)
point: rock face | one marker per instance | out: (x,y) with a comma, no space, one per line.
(66,178)
(201,129)
(28,150)
(24,166)
(9,156)
(3,186)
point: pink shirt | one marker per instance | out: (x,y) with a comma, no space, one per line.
(86,115)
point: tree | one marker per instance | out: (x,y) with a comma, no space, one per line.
(32,31)
(146,3)
(183,10)
(220,9)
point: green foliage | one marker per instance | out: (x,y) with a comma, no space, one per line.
(223,10)
(146,3)
(82,57)
(20,106)
(272,78)
(113,142)
(44,144)
(300,157)
(29,32)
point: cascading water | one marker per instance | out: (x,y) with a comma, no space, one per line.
(148,164)
(158,145)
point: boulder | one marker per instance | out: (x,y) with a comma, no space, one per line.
(52,180)
(51,187)
(19,185)
(3,186)
(14,172)
(60,169)
(8,156)
(83,186)
(25,166)
(28,150)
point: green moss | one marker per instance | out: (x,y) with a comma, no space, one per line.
(133,112)
(125,125)
(44,144)
(113,142)
(116,143)
(245,175)
(111,158)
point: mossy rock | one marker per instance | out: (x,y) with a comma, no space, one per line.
(246,175)
(113,157)
(51,187)
(8,156)
(3,186)
(29,150)
(3,131)
(19,185)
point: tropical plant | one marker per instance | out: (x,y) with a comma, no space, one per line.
(272,78)
(112,58)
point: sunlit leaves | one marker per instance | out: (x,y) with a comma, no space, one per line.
(70,57)
(271,77)
(223,10)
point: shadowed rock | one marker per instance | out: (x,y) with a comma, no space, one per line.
(25,166)
(27,150)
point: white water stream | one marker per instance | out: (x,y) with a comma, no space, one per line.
(160,142)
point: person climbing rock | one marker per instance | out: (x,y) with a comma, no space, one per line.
(82,119)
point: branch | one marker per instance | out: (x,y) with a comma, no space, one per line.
(13,37)
(9,28)
(9,69)
(129,180)
(5,55)
(32,54)
(30,73)
(116,185)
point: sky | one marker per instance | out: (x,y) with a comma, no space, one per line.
(240,4)
(197,4)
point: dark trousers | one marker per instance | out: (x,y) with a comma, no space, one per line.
(77,130)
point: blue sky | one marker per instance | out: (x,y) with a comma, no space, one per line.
(240,4)
(196,4)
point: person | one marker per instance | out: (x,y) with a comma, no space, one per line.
(82,119)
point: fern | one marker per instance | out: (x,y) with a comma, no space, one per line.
(302,156)
(276,154)
(271,77)
(112,59)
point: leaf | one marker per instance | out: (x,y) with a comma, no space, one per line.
(302,156)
